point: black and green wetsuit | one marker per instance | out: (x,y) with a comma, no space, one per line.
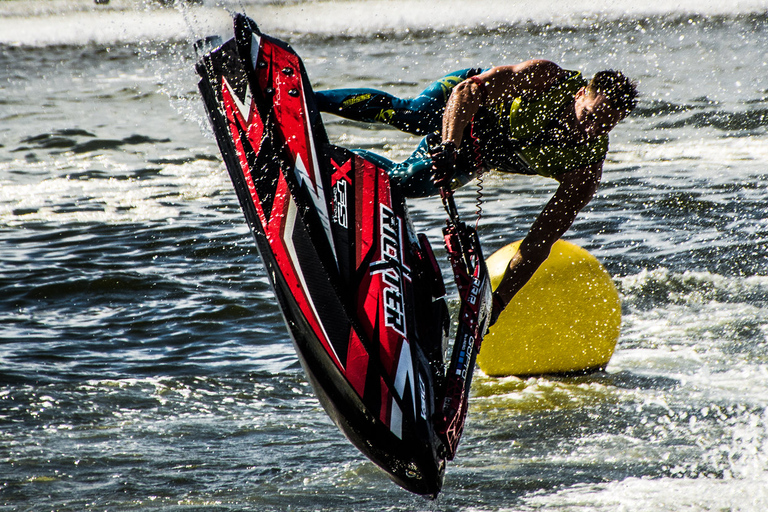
(511,137)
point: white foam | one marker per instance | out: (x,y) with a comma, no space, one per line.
(365,17)
(691,288)
(655,494)
(704,331)
(76,26)
(81,21)
(63,199)
(715,158)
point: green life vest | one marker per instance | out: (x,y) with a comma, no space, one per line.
(512,136)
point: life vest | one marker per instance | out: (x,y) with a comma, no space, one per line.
(512,136)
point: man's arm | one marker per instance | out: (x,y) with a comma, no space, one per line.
(576,189)
(525,79)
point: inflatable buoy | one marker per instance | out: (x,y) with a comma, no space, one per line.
(566,319)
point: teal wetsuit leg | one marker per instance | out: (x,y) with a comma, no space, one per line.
(420,116)
(414,175)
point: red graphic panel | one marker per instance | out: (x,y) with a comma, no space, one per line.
(274,227)
(357,363)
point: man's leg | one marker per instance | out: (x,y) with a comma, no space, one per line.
(420,115)
(413,175)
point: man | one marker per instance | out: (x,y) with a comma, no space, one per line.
(529,118)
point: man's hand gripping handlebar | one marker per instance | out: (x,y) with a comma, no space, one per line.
(443,161)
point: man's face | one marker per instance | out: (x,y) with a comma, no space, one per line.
(594,113)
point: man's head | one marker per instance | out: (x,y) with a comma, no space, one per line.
(607,99)
(620,91)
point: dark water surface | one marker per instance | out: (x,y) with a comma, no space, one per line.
(144,364)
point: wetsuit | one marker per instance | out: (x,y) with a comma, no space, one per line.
(511,137)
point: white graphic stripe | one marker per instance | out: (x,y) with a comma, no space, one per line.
(317,193)
(255,49)
(290,224)
(244,111)
(396,420)
(405,373)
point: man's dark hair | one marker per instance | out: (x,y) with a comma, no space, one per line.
(620,90)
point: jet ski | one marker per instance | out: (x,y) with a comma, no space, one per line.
(361,292)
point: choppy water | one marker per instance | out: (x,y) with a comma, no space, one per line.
(144,364)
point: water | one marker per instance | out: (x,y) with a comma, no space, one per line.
(145,366)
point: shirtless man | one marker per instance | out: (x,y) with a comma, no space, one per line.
(529,118)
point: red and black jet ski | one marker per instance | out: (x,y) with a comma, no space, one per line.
(361,293)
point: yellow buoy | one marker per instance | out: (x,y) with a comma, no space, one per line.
(567,318)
